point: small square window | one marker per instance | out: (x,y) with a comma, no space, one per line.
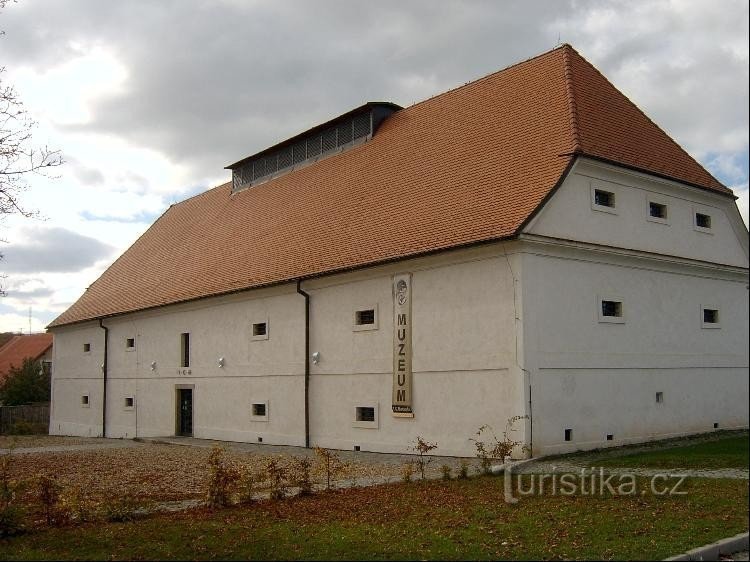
(610,437)
(366,416)
(129,402)
(259,411)
(259,330)
(85,400)
(702,220)
(604,198)
(130,343)
(710,317)
(612,308)
(86,347)
(657,210)
(659,397)
(365,317)
(569,435)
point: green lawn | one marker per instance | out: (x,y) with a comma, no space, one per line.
(730,452)
(465,519)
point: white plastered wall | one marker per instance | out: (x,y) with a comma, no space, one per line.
(599,378)
(464,360)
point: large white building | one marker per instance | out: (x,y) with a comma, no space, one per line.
(527,244)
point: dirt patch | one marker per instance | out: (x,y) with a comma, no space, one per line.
(160,472)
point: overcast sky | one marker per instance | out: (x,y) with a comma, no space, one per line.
(148,101)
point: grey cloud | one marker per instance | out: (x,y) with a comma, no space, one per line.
(40,292)
(85,174)
(53,250)
(210,83)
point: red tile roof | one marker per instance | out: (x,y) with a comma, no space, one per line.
(19,348)
(469,165)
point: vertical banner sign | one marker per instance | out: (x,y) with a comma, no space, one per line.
(401,401)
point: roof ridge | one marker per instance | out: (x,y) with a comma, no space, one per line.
(487,76)
(572,107)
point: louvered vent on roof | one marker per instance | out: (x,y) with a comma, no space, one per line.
(319,142)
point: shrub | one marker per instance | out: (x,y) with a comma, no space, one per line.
(11,512)
(463,470)
(222,478)
(300,475)
(328,464)
(407,471)
(22,427)
(277,475)
(120,510)
(445,471)
(48,493)
(246,485)
(78,505)
(496,449)
(423,447)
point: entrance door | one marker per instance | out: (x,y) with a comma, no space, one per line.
(185,412)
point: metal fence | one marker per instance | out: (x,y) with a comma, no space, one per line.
(31,418)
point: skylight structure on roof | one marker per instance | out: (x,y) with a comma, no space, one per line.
(332,137)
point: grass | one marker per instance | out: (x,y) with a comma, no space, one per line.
(465,519)
(729,452)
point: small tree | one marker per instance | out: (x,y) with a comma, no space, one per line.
(26,384)
(423,447)
(497,449)
(329,464)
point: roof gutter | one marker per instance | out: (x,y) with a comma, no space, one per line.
(307,361)
(104,378)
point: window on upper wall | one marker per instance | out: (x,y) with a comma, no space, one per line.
(259,411)
(130,344)
(85,401)
(710,317)
(603,199)
(366,318)
(86,347)
(611,310)
(657,212)
(185,349)
(702,222)
(129,402)
(260,330)
(366,416)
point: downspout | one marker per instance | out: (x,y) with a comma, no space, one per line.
(307,362)
(104,380)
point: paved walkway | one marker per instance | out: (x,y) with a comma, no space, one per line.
(559,466)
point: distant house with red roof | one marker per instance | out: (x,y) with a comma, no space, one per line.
(528,244)
(37,347)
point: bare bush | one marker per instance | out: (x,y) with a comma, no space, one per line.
(496,449)
(222,478)
(423,447)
